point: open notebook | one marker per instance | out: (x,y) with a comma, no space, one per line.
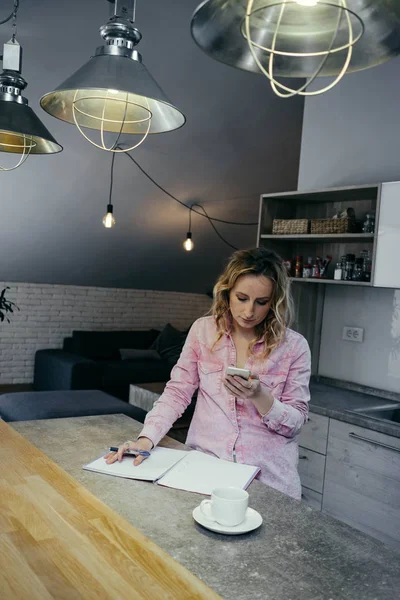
(192,471)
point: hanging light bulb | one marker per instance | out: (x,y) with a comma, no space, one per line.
(298,38)
(108,219)
(21,131)
(188,243)
(113,92)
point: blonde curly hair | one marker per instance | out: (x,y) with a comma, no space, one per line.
(257,261)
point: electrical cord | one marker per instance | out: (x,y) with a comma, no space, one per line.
(180,201)
(212,224)
(204,214)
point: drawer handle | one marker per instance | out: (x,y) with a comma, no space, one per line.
(363,439)
(303,457)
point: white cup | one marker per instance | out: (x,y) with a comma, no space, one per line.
(227,506)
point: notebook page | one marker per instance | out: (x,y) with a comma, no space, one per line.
(201,473)
(158,463)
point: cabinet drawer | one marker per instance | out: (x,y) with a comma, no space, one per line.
(311,469)
(311,498)
(314,433)
(362,480)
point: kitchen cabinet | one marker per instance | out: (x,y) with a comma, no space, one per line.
(362,480)
(312,455)
(382,199)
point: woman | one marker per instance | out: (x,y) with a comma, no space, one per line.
(253,421)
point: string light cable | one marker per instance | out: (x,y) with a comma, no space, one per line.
(190,207)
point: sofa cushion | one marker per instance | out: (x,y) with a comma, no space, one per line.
(169,343)
(26,406)
(105,345)
(135,354)
(124,372)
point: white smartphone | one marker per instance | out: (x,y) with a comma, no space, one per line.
(245,373)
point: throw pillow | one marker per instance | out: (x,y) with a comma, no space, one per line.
(137,354)
(169,343)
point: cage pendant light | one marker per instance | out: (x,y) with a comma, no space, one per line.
(298,38)
(21,131)
(113,93)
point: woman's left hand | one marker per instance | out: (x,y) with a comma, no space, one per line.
(242,388)
(251,389)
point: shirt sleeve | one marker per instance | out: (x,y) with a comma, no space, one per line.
(289,412)
(178,391)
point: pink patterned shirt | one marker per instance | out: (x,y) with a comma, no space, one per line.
(232,428)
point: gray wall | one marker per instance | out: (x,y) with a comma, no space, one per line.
(239,141)
(351,135)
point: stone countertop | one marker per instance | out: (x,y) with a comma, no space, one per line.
(337,403)
(297,554)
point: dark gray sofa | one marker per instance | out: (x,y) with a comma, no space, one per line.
(92,360)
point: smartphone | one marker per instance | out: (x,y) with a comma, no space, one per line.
(245,373)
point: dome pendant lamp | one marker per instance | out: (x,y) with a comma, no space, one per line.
(298,38)
(113,92)
(21,132)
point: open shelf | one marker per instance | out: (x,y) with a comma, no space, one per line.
(335,281)
(325,237)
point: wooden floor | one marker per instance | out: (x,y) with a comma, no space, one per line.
(58,541)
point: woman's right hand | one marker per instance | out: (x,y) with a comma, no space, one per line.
(142,443)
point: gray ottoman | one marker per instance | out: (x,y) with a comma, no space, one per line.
(30,406)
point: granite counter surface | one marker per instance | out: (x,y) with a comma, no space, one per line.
(337,403)
(297,554)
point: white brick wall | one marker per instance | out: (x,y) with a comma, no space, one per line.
(49,313)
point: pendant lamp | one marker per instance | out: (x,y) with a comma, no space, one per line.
(114,92)
(21,132)
(298,38)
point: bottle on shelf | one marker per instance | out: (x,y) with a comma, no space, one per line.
(349,267)
(369,223)
(366,265)
(338,271)
(358,270)
(299,266)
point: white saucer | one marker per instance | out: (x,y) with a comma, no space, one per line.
(252,520)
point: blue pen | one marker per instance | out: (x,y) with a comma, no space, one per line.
(131,452)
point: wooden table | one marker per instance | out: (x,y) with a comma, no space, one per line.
(57,540)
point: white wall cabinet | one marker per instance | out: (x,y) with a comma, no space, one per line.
(386,273)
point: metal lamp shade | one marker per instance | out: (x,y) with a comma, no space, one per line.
(116,93)
(218,28)
(17,121)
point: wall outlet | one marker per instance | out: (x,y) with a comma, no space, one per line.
(353,334)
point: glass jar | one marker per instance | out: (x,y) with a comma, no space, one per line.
(349,267)
(338,271)
(369,223)
(307,270)
(358,270)
(366,265)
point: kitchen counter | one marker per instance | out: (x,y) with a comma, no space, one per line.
(336,402)
(297,554)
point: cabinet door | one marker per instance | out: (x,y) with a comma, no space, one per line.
(387,237)
(362,480)
(311,498)
(311,469)
(314,433)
